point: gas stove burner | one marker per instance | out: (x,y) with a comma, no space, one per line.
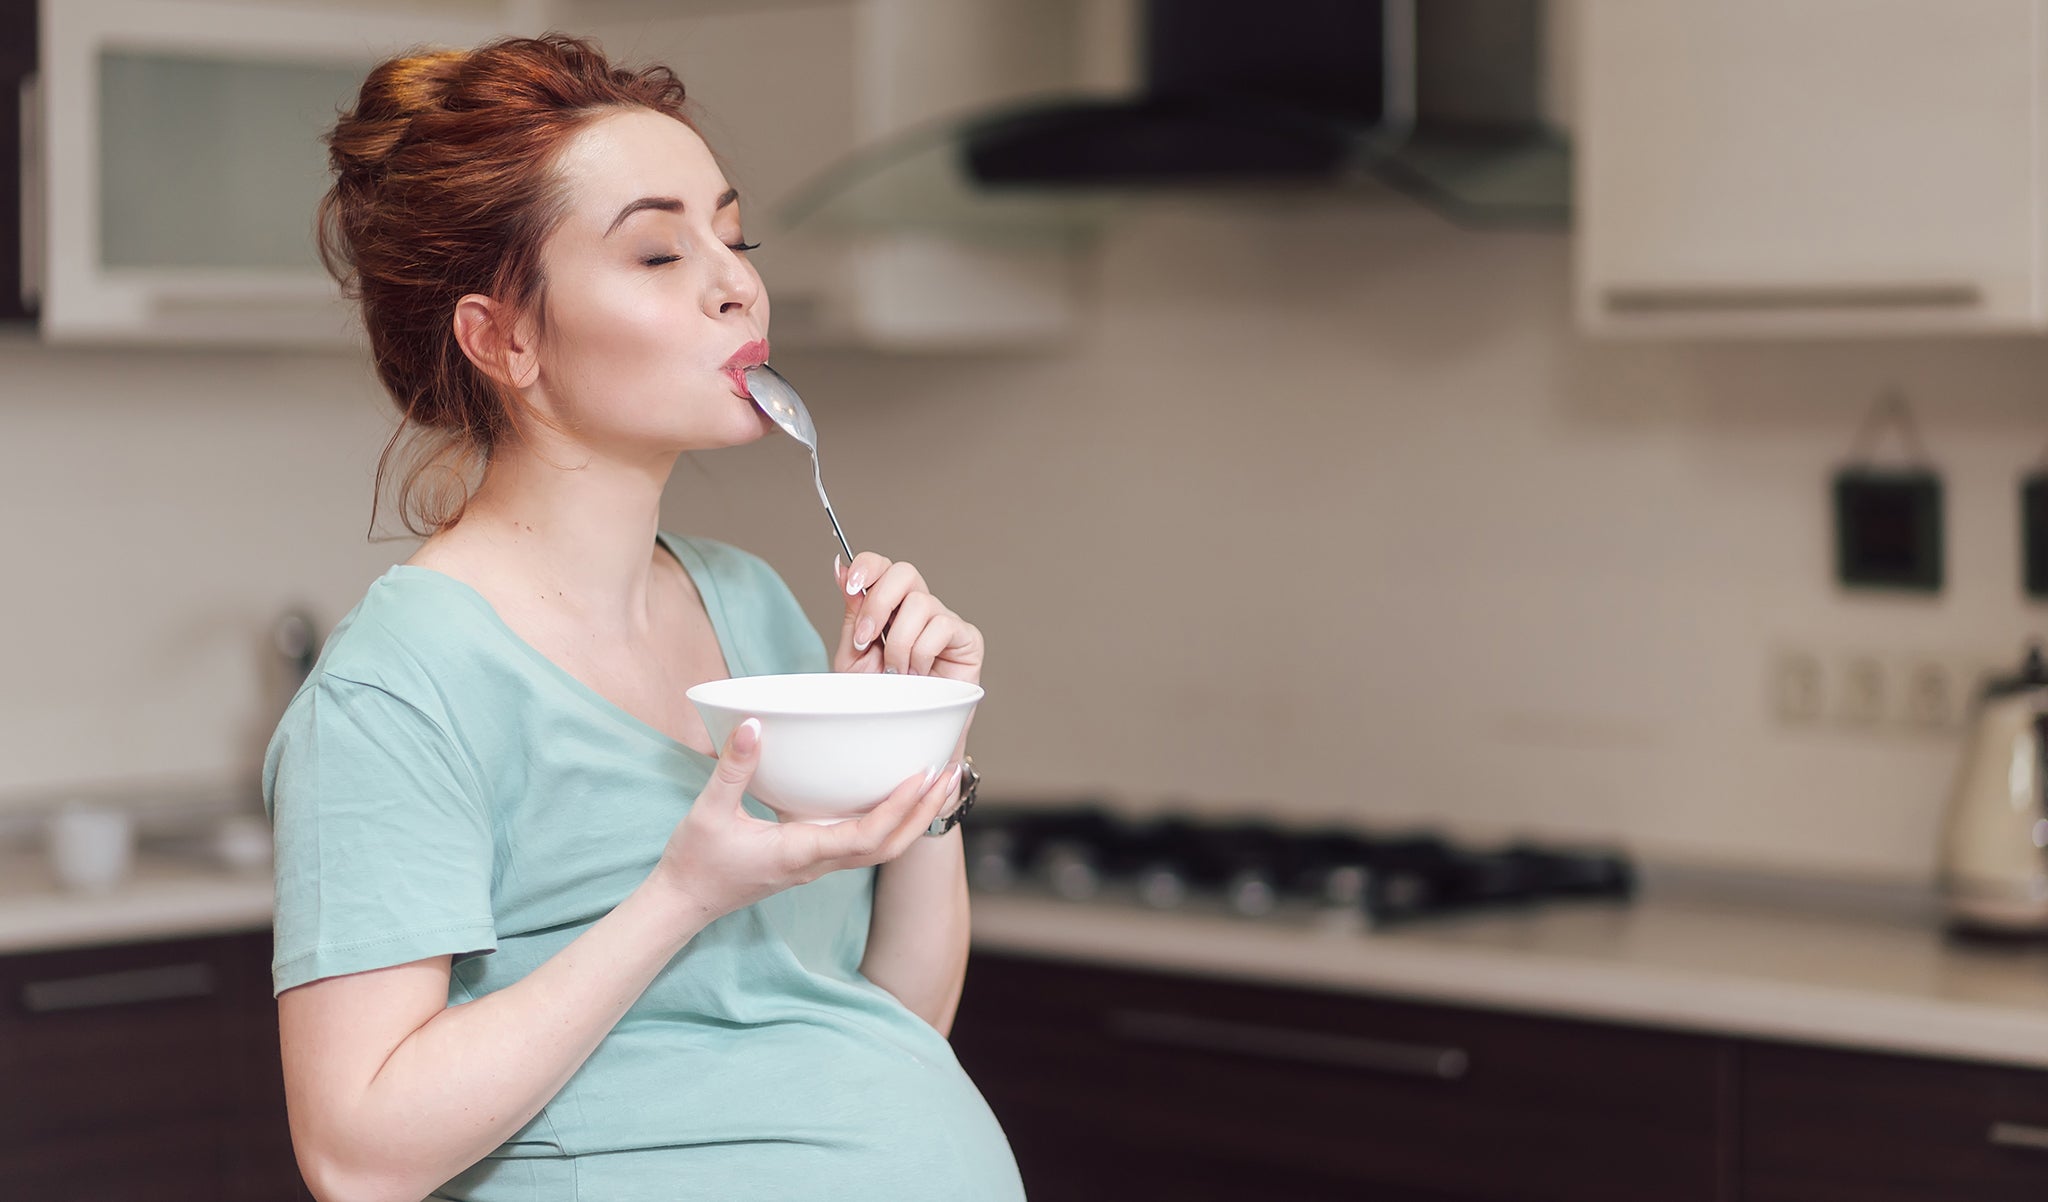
(1256,869)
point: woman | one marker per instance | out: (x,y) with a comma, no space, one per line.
(532,940)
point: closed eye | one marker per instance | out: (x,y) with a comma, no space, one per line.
(663,260)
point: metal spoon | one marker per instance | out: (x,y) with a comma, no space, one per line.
(785,408)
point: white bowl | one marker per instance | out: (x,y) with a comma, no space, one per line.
(834,745)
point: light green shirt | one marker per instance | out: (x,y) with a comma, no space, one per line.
(438,786)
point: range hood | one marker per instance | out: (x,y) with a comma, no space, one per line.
(1439,99)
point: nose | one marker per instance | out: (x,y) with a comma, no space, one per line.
(734,287)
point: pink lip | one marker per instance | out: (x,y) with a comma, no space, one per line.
(752,354)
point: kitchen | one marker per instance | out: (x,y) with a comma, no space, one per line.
(1311,505)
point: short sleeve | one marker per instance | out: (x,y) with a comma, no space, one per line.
(384,845)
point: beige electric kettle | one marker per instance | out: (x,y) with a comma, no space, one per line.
(1994,854)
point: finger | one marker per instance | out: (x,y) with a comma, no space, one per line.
(866,567)
(917,611)
(865,837)
(929,807)
(939,633)
(843,653)
(735,769)
(878,608)
(961,657)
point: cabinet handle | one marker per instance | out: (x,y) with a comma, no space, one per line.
(165,984)
(1766,299)
(1279,1043)
(2019,1135)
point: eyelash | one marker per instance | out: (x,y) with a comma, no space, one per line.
(662,260)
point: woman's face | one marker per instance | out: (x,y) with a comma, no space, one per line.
(649,298)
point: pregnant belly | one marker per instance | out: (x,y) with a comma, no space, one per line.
(794,1112)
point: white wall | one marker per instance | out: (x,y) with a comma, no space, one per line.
(1329,514)
(1332,515)
(163,508)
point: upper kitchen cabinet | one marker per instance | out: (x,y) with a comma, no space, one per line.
(1825,167)
(173,161)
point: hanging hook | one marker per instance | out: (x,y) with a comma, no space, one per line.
(1889,409)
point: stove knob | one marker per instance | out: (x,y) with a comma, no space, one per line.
(1405,893)
(1344,888)
(1251,893)
(1161,888)
(1071,871)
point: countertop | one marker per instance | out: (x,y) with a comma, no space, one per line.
(1847,972)
(1695,957)
(164,897)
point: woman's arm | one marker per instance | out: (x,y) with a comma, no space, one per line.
(917,940)
(391,1091)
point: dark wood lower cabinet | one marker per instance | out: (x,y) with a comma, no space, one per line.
(149,1073)
(1117,1084)
(1120,1084)
(146,1073)
(1824,1126)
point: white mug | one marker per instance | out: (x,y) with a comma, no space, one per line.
(90,846)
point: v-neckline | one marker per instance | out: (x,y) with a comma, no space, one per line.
(694,566)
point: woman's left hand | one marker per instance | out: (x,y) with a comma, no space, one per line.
(924,637)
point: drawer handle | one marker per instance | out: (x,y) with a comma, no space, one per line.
(1765,300)
(2019,1135)
(165,984)
(1278,1043)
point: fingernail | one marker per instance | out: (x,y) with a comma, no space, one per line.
(748,736)
(838,565)
(853,583)
(930,775)
(959,772)
(888,671)
(863,634)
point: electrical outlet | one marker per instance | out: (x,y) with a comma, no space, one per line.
(1862,690)
(1796,687)
(1929,693)
(1877,693)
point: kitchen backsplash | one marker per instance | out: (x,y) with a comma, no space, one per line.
(1327,514)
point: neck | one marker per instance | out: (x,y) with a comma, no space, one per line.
(577,539)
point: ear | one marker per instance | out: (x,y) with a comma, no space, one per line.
(501,345)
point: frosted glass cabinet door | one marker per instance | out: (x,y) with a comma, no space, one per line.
(1764,167)
(212,162)
(183,161)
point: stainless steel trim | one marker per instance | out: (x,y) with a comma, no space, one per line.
(1655,300)
(35,230)
(169,983)
(1279,1043)
(2019,1135)
(1397,88)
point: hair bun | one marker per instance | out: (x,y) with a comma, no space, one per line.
(394,94)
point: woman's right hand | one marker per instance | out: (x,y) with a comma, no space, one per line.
(722,859)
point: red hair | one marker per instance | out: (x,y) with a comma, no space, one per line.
(446,184)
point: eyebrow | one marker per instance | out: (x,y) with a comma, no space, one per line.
(667,204)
